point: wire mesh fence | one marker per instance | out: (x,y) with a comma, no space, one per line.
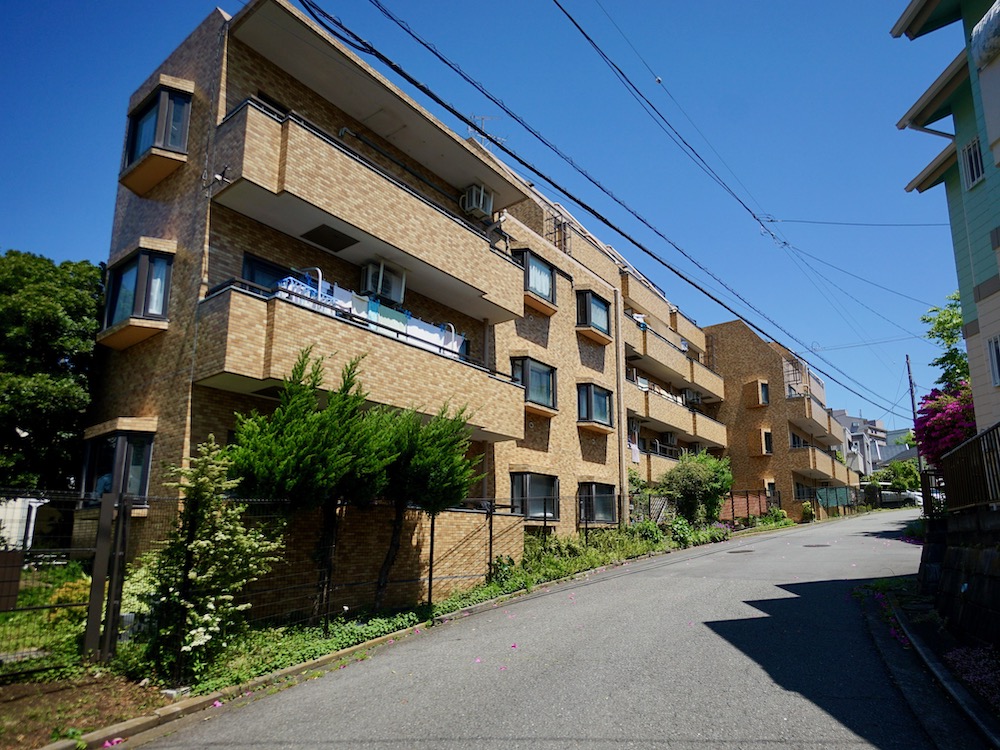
(48,546)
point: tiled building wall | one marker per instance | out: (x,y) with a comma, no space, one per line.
(461,549)
(556,445)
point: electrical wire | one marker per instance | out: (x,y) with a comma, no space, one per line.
(353,40)
(761,219)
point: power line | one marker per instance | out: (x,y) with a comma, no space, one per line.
(692,153)
(804,267)
(356,42)
(772,220)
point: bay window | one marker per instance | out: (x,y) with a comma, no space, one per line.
(539,380)
(593,312)
(139,288)
(594,404)
(160,122)
(535,495)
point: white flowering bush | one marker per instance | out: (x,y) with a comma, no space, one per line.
(207,561)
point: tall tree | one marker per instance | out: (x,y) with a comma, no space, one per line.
(49,317)
(316,456)
(945,327)
(432,471)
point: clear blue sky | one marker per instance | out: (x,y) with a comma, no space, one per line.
(793,103)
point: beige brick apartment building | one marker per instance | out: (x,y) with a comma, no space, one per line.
(782,437)
(277,193)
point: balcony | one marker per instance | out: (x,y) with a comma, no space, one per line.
(708,431)
(706,380)
(249,338)
(814,463)
(288,174)
(688,329)
(808,414)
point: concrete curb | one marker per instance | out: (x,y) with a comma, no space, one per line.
(988,726)
(133,728)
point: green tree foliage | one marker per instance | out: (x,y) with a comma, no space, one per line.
(48,320)
(209,557)
(316,456)
(432,471)
(698,484)
(908,439)
(945,327)
(901,475)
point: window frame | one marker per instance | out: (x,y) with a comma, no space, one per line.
(253,264)
(143,261)
(765,393)
(163,102)
(767,442)
(585,299)
(993,356)
(587,494)
(525,257)
(123,452)
(973,168)
(585,403)
(520,495)
(521,368)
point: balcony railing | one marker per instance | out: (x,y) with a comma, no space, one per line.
(368,312)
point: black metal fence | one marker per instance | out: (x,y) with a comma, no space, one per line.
(971,472)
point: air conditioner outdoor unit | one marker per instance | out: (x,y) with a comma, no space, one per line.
(380,281)
(669,438)
(477,200)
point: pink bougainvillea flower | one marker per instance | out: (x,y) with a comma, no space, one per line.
(478,660)
(513,645)
(216,704)
(112,743)
(391,641)
(503,669)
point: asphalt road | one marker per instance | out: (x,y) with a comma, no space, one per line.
(753,643)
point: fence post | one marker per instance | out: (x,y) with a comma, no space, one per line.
(102,556)
(489,524)
(430,567)
(116,576)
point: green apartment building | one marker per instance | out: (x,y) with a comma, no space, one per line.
(968,91)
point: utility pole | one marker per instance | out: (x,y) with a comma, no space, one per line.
(913,406)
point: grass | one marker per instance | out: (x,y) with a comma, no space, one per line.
(81,701)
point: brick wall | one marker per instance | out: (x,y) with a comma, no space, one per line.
(461,550)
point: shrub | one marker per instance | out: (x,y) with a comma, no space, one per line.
(807,511)
(698,484)
(647,531)
(71,592)
(681,532)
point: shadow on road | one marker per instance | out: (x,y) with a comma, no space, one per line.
(815,643)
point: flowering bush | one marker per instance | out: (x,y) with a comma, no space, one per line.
(945,419)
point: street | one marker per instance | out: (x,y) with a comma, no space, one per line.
(755,642)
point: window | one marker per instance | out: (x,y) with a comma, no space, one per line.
(597,502)
(593,404)
(139,288)
(993,354)
(535,495)
(765,394)
(262,272)
(798,441)
(972,164)
(162,122)
(771,489)
(592,311)
(539,380)
(768,442)
(539,276)
(118,462)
